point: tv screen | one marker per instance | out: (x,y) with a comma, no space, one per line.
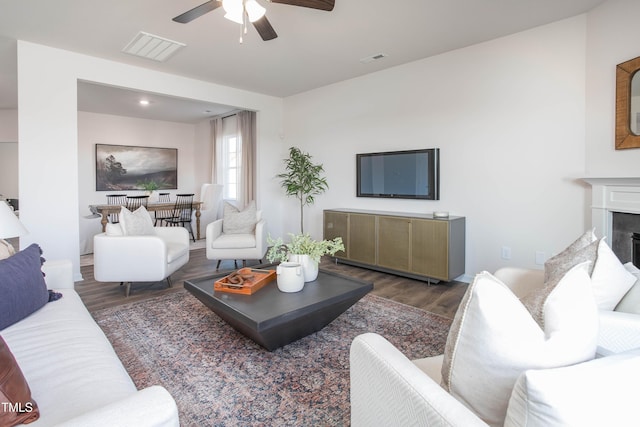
(412,174)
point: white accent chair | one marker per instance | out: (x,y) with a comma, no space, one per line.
(222,246)
(148,258)
(210,209)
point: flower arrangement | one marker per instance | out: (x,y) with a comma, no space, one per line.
(302,244)
(148,185)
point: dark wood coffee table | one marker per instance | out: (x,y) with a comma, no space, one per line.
(273,318)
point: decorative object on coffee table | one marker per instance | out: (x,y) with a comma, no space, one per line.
(303,250)
(246,281)
(290,277)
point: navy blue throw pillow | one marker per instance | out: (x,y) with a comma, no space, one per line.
(22,286)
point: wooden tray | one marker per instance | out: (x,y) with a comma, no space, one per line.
(248,287)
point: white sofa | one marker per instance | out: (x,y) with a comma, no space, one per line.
(389,389)
(74,375)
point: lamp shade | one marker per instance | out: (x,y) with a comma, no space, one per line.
(10,225)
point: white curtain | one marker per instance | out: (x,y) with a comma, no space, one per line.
(216,140)
(247,134)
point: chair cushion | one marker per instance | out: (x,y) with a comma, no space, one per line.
(136,223)
(234,241)
(14,392)
(601,392)
(494,338)
(22,286)
(175,251)
(239,222)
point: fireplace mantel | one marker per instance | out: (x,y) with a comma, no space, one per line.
(608,195)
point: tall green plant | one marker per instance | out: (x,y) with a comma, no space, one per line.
(302,179)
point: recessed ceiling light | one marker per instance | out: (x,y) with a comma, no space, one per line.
(143,102)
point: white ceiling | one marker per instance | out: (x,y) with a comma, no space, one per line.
(313,49)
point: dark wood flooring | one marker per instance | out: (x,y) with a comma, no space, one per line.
(442,298)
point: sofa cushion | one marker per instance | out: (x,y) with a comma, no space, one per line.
(15,395)
(22,286)
(236,221)
(494,338)
(610,279)
(136,223)
(584,248)
(68,362)
(630,303)
(601,392)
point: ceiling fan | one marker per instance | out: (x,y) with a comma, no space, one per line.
(242,10)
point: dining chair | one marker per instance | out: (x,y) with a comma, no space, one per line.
(182,212)
(116,199)
(161,215)
(134,202)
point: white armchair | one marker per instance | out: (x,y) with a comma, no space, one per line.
(142,258)
(242,246)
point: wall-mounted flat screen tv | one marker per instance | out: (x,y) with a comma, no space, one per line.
(411,174)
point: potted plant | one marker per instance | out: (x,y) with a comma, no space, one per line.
(148,186)
(304,250)
(302,179)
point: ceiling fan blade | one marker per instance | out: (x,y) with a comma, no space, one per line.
(197,11)
(264,28)
(313,4)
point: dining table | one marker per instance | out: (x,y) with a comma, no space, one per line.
(105,210)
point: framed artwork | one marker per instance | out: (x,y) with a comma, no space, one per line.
(125,167)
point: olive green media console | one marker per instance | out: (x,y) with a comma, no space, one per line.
(407,244)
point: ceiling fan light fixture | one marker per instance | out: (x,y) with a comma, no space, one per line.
(254,10)
(234,10)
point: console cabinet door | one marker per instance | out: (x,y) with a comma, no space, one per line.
(394,234)
(429,248)
(336,224)
(362,238)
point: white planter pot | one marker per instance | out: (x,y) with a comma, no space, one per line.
(309,267)
(289,277)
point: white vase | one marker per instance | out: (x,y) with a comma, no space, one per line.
(309,266)
(289,277)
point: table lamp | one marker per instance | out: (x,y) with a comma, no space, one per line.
(10,226)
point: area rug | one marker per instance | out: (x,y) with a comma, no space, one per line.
(218,377)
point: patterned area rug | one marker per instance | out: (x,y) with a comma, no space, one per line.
(218,377)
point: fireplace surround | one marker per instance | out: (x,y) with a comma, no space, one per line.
(615,212)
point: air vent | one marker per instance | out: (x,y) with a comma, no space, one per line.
(373,58)
(153,47)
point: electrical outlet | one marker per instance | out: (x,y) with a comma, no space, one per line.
(506,252)
(541,257)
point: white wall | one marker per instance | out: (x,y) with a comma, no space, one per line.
(9,153)
(116,130)
(508,116)
(48,135)
(613,34)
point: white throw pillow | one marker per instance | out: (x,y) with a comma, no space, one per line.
(236,221)
(137,223)
(630,303)
(609,278)
(494,338)
(113,229)
(601,392)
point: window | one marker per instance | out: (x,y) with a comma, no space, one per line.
(231,154)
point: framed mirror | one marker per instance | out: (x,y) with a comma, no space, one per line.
(628,104)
